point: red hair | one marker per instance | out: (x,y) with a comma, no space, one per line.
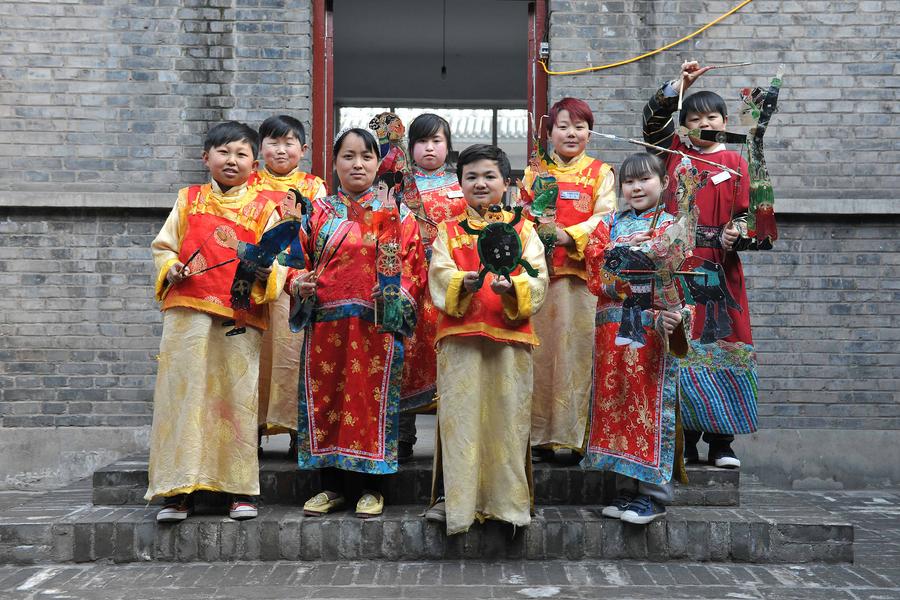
(578,111)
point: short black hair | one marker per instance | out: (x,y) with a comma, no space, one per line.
(702,102)
(426,125)
(281,125)
(368,139)
(640,164)
(478,152)
(231,131)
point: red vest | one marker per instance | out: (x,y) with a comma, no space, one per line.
(575,204)
(485,315)
(210,292)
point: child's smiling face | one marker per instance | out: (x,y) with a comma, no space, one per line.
(282,154)
(712,120)
(569,137)
(482,184)
(643,191)
(230,164)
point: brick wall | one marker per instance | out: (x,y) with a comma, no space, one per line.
(840,87)
(98,95)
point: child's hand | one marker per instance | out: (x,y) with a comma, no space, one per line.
(376,292)
(501,286)
(563,238)
(304,286)
(178,272)
(262,273)
(639,238)
(729,236)
(470,281)
(668,321)
(690,72)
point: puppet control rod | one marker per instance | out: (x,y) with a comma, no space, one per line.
(610,136)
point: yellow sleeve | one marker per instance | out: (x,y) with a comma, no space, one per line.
(445,281)
(604,203)
(530,292)
(262,293)
(167,244)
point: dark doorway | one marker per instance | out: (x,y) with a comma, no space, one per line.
(467,60)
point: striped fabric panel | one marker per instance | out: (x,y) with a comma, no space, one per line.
(719,400)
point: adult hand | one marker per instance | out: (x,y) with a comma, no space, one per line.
(304,286)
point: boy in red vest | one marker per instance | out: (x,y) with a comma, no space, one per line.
(484,364)
(205,400)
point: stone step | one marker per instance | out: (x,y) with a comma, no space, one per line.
(64,526)
(281,482)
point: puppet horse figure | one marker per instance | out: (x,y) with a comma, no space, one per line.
(636,291)
(709,290)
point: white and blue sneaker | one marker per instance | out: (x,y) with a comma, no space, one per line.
(618,506)
(642,510)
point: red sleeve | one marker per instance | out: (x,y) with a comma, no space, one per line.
(594,254)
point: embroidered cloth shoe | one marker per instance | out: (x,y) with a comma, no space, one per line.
(370,505)
(437,512)
(176,509)
(615,509)
(723,457)
(322,504)
(642,510)
(242,507)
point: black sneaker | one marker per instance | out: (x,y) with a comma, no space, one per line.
(404,451)
(691,456)
(542,455)
(723,457)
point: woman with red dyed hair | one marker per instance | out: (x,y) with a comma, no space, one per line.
(565,327)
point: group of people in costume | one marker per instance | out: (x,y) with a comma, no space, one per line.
(540,323)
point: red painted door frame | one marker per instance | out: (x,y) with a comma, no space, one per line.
(322,92)
(537,78)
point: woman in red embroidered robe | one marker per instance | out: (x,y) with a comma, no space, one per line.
(367,272)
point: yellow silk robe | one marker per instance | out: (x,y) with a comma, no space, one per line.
(205,400)
(563,361)
(279,357)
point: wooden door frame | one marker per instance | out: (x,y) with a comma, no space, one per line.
(322,91)
(321,94)
(537,78)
